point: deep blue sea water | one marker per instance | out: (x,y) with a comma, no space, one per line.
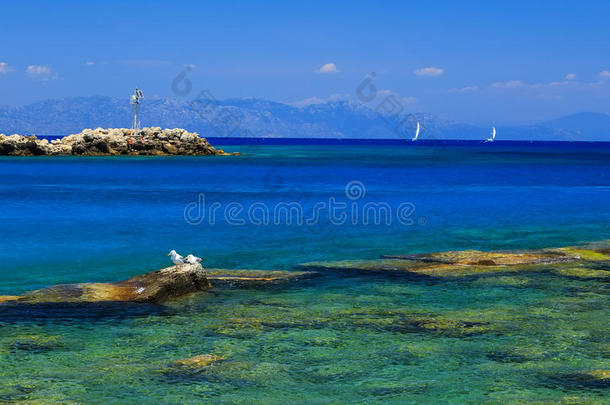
(106,218)
(74,219)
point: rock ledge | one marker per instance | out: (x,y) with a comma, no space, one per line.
(155,287)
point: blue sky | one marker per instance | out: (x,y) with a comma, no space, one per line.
(479,61)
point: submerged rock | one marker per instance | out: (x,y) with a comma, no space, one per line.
(254,278)
(583,379)
(583,273)
(115,141)
(480,258)
(5,298)
(201,368)
(503,281)
(517,354)
(196,362)
(592,252)
(474,262)
(36,343)
(406,322)
(154,287)
(441,326)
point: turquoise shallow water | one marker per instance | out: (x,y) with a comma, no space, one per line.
(330,339)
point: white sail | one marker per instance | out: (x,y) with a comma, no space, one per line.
(493,135)
(416,132)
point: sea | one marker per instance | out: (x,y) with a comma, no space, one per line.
(324,340)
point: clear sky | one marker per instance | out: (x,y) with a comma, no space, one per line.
(477,61)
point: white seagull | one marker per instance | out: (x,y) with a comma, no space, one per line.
(176,258)
(193,259)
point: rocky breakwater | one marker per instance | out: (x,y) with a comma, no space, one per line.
(154,287)
(117,141)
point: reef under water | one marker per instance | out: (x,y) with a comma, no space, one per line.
(440,327)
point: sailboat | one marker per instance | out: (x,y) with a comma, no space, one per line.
(493,135)
(416,132)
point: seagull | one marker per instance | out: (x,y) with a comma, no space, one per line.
(176,258)
(193,259)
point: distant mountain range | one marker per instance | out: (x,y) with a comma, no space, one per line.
(262,118)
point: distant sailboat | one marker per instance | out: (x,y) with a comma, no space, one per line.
(416,132)
(493,135)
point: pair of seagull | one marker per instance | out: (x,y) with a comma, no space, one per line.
(177,259)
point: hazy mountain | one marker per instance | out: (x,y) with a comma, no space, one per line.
(586,125)
(263,118)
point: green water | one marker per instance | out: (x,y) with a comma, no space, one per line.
(327,340)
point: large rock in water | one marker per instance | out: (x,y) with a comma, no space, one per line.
(171,282)
(117,141)
(155,287)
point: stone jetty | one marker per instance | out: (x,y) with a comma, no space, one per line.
(115,141)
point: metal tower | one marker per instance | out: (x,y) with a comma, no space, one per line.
(136,99)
